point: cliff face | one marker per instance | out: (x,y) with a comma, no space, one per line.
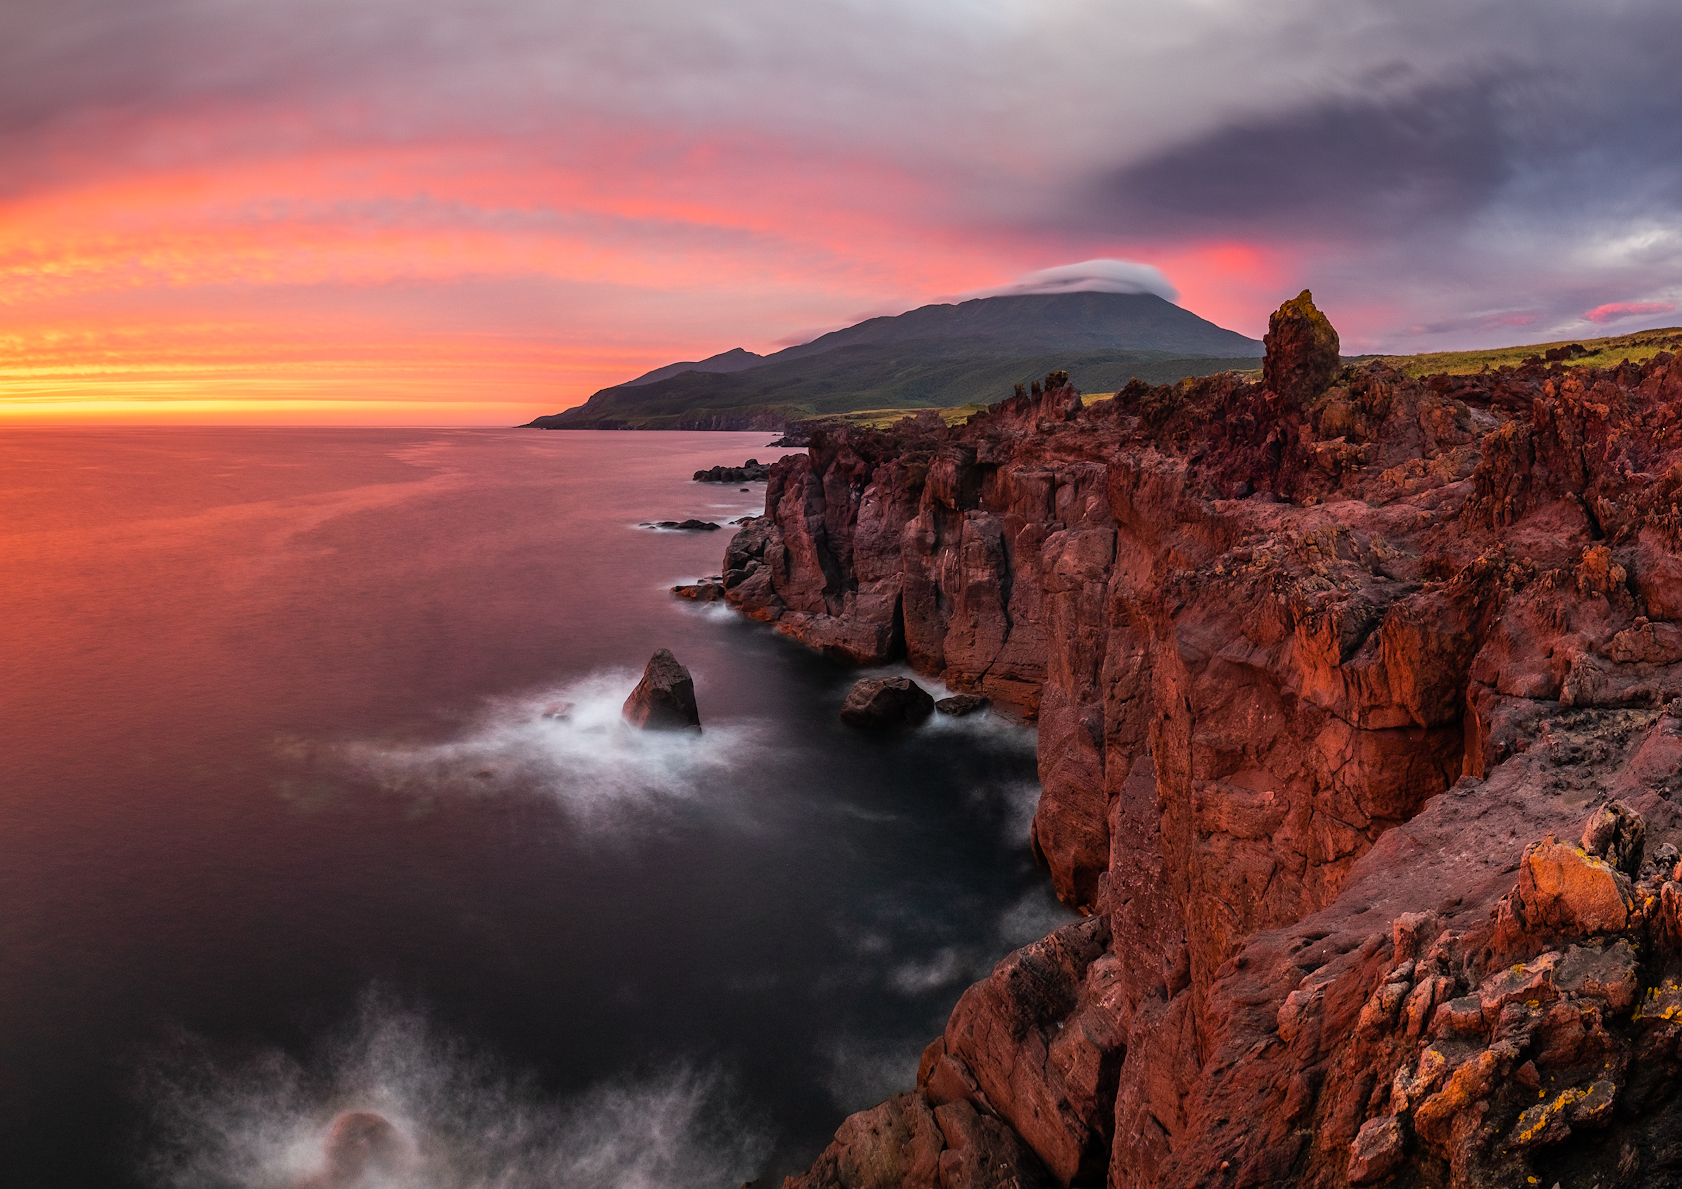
(1319,664)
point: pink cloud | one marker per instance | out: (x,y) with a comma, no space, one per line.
(1622,309)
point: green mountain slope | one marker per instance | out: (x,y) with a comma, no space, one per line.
(933,357)
(849,379)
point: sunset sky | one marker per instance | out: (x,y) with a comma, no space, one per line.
(475,211)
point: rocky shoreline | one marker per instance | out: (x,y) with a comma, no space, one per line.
(1325,668)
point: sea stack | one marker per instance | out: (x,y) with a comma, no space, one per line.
(664,699)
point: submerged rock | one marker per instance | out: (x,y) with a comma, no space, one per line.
(751,471)
(883,703)
(664,699)
(690,526)
(959,705)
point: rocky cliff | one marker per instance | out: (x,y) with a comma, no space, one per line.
(1330,672)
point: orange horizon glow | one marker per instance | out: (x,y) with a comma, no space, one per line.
(470,281)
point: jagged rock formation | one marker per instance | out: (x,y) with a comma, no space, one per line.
(664,700)
(1319,665)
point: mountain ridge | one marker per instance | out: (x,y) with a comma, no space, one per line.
(931,356)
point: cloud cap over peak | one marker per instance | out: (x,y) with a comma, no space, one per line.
(1088,276)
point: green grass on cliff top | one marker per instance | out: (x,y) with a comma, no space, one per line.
(955,415)
(1637,347)
(1604,352)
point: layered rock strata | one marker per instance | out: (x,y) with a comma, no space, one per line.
(1319,663)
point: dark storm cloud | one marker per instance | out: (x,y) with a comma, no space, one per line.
(1516,174)
(1592,128)
(1343,165)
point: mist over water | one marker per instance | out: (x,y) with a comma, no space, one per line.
(285,729)
(458,1120)
(571,742)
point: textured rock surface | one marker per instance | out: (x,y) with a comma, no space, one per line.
(906,1144)
(664,700)
(1333,673)
(886,703)
(960,705)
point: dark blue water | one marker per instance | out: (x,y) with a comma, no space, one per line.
(283,832)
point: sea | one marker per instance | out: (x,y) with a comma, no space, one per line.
(288,827)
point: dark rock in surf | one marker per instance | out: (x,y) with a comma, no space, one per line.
(958,705)
(682,525)
(358,1144)
(701,592)
(559,711)
(664,699)
(751,471)
(884,703)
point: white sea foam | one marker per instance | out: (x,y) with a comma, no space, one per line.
(996,728)
(262,1122)
(572,743)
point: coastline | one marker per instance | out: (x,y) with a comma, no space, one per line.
(1290,646)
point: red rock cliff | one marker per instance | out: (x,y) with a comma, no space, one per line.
(1319,665)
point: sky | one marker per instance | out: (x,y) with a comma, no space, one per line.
(476,211)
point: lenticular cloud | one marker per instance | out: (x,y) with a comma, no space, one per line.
(1089,276)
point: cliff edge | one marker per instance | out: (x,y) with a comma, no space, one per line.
(1358,749)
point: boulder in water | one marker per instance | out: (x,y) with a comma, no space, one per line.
(884,703)
(959,705)
(664,699)
(688,526)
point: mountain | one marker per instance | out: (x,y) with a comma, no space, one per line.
(1037,322)
(733,360)
(937,356)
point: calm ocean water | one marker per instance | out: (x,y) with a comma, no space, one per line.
(283,832)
